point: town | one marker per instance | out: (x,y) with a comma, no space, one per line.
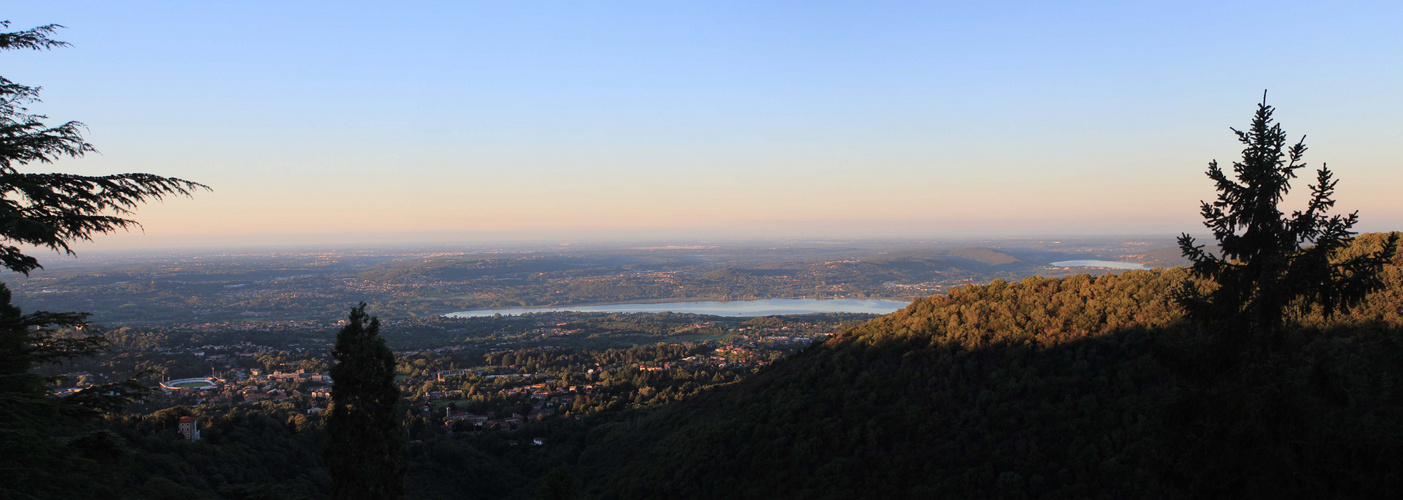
(463,375)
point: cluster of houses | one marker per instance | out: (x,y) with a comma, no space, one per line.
(252,386)
(543,395)
(557,331)
(436,350)
(732,350)
(490,421)
(259,387)
(294,377)
(547,394)
(246,326)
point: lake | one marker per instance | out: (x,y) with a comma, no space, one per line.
(1098,263)
(766,307)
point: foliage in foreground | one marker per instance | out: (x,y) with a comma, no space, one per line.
(38,456)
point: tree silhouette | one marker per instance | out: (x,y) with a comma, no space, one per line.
(51,210)
(1269,262)
(1252,413)
(365,450)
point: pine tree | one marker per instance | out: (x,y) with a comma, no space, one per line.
(365,450)
(1269,262)
(1251,415)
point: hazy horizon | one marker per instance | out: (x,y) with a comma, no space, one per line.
(458,122)
(139,242)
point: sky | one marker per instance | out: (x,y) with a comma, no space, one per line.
(385,122)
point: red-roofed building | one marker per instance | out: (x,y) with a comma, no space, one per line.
(189,428)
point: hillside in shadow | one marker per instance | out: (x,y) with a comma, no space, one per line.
(1042,388)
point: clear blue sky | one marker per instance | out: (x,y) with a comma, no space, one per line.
(354,121)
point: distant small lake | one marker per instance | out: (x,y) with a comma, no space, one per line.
(766,307)
(1098,263)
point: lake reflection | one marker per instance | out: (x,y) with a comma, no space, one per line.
(766,307)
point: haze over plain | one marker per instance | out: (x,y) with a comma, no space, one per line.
(368,123)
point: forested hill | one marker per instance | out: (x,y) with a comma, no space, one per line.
(1041,388)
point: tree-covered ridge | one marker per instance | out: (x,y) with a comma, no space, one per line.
(1382,307)
(1050,311)
(1037,310)
(1042,388)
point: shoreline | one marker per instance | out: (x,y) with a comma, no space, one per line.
(516,311)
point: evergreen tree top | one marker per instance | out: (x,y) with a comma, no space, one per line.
(1268,261)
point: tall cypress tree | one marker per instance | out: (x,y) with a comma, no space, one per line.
(365,450)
